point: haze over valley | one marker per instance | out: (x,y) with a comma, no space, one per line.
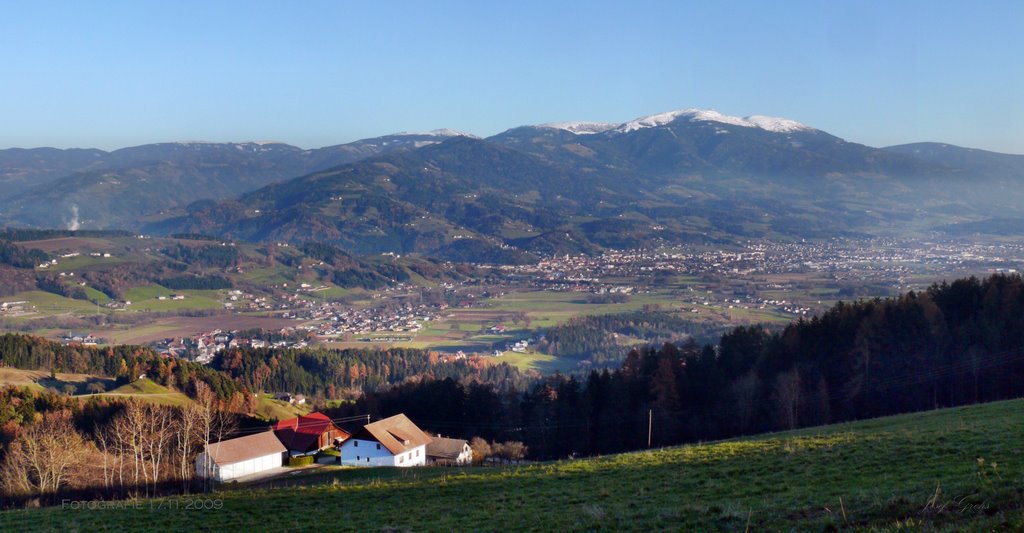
(688,176)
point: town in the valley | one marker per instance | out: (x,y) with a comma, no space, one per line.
(760,281)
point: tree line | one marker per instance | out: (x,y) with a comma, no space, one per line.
(30,234)
(124,363)
(20,257)
(596,337)
(953,344)
(334,374)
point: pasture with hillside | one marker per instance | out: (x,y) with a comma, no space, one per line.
(948,470)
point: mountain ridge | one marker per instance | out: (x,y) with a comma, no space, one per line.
(683,176)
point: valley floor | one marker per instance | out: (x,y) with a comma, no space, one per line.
(948,470)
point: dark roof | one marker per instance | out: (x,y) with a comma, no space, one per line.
(397,433)
(232,451)
(446,448)
(303,433)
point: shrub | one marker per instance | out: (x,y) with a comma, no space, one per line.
(304,460)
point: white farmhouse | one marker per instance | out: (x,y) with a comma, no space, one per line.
(234,458)
(394,441)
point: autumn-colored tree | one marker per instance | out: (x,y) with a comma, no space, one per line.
(481,450)
(44,457)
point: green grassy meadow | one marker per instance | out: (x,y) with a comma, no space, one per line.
(146,298)
(53,304)
(268,408)
(949,470)
(149,391)
(541,362)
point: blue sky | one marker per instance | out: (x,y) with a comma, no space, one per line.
(114,74)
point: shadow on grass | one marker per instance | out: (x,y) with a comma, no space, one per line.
(92,385)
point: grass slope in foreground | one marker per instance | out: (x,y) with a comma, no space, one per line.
(903,472)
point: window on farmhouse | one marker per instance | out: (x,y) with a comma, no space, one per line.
(355,443)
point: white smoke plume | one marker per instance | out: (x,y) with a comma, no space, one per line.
(74,224)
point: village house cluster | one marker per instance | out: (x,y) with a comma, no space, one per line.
(202,347)
(404,318)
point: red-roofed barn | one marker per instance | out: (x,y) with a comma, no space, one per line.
(309,433)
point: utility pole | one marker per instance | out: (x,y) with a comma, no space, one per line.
(650,423)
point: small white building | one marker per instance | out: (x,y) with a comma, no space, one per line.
(451,452)
(394,441)
(234,458)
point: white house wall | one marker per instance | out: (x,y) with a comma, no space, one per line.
(465,457)
(241,468)
(372,453)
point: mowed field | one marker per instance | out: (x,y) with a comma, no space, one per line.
(466,329)
(78,244)
(147,390)
(41,379)
(267,408)
(78,385)
(186,326)
(949,470)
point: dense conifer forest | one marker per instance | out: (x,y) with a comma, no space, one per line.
(953,344)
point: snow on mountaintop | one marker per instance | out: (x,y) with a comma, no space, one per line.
(773,124)
(443,132)
(580,127)
(778,125)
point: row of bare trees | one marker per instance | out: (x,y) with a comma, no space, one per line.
(508,451)
(142,451)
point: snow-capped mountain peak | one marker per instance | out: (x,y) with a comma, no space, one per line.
(779,125)
(773,124)
(580,127)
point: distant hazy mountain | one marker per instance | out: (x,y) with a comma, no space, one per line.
(569,187)
(694,141)
(23,168)
(993,181)
(685,176)
(970,160)
(46,187)
(462,199)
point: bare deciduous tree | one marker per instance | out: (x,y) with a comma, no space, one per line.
(186,438)
(44,456)
(215,423)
